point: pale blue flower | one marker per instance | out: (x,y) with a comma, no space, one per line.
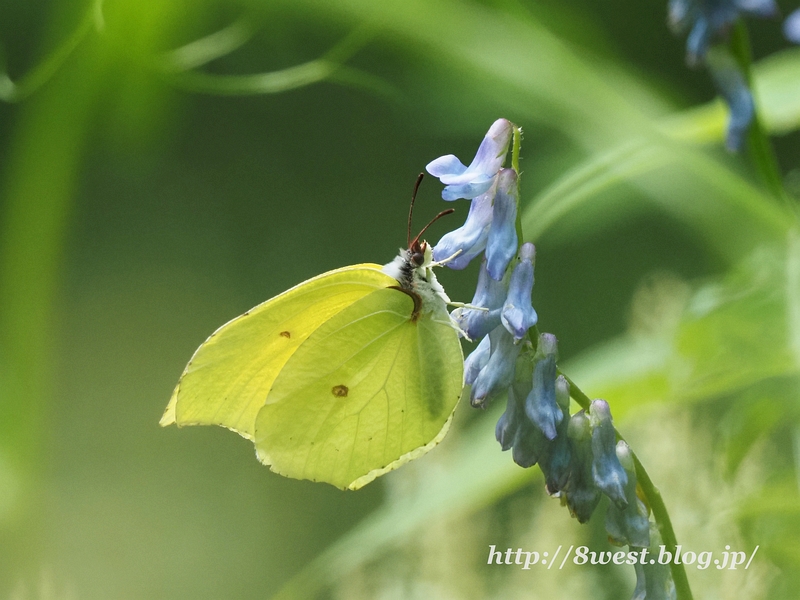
(529,444)
(526,444)
(489,294)
(513,420)
(581,493)
(498,373)
(469,240)
(710,20)
(518,315)
(630,525)
(607,471)
(476,360)
(540,405)
(472,181)
(791,27)
(509,422)
(758,8)
(502,243)
(555,460)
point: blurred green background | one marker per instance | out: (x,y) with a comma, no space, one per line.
(155,182)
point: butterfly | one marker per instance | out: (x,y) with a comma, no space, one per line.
(340,379)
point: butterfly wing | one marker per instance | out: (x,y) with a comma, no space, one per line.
(227,380)
(369,390)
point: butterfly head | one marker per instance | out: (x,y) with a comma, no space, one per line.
(413,265)
(419,253)
(410,264)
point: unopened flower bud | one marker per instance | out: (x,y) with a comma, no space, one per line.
(608,473)
(630,525)
(476,360)
(581,493)
(518,315)
(498,373)
(540,405)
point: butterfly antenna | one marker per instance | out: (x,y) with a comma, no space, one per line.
(411,209)
(449,211)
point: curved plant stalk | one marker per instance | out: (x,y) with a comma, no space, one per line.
(213,46)
(11,91)
(179,67)
(651,492)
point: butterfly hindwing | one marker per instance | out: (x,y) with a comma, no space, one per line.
(228,378)
(370,389)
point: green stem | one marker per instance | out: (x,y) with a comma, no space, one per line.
(516,146)
(11,91)
(760,149)
(654,500)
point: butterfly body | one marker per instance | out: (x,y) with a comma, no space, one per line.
(340,379)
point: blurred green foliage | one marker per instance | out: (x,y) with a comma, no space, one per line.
(165,165)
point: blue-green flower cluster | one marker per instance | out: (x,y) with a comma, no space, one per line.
(578,454)
(707,24)
(791,27)
(708,21)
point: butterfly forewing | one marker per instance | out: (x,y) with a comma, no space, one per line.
(228,378)
(368,390)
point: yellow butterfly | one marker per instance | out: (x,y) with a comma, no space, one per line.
(341,379)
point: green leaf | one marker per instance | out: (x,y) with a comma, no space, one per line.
(735,333)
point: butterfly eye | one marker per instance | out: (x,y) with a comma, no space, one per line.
(418,258)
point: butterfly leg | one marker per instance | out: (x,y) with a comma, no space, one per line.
(443,262)
(465,305)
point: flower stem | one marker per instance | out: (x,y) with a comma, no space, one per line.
(516,146)
(654,500)
(760,149)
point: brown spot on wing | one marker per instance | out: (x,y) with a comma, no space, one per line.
(286,334)
(340,391)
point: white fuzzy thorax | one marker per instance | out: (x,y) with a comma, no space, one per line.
(395,268)
(419,279)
